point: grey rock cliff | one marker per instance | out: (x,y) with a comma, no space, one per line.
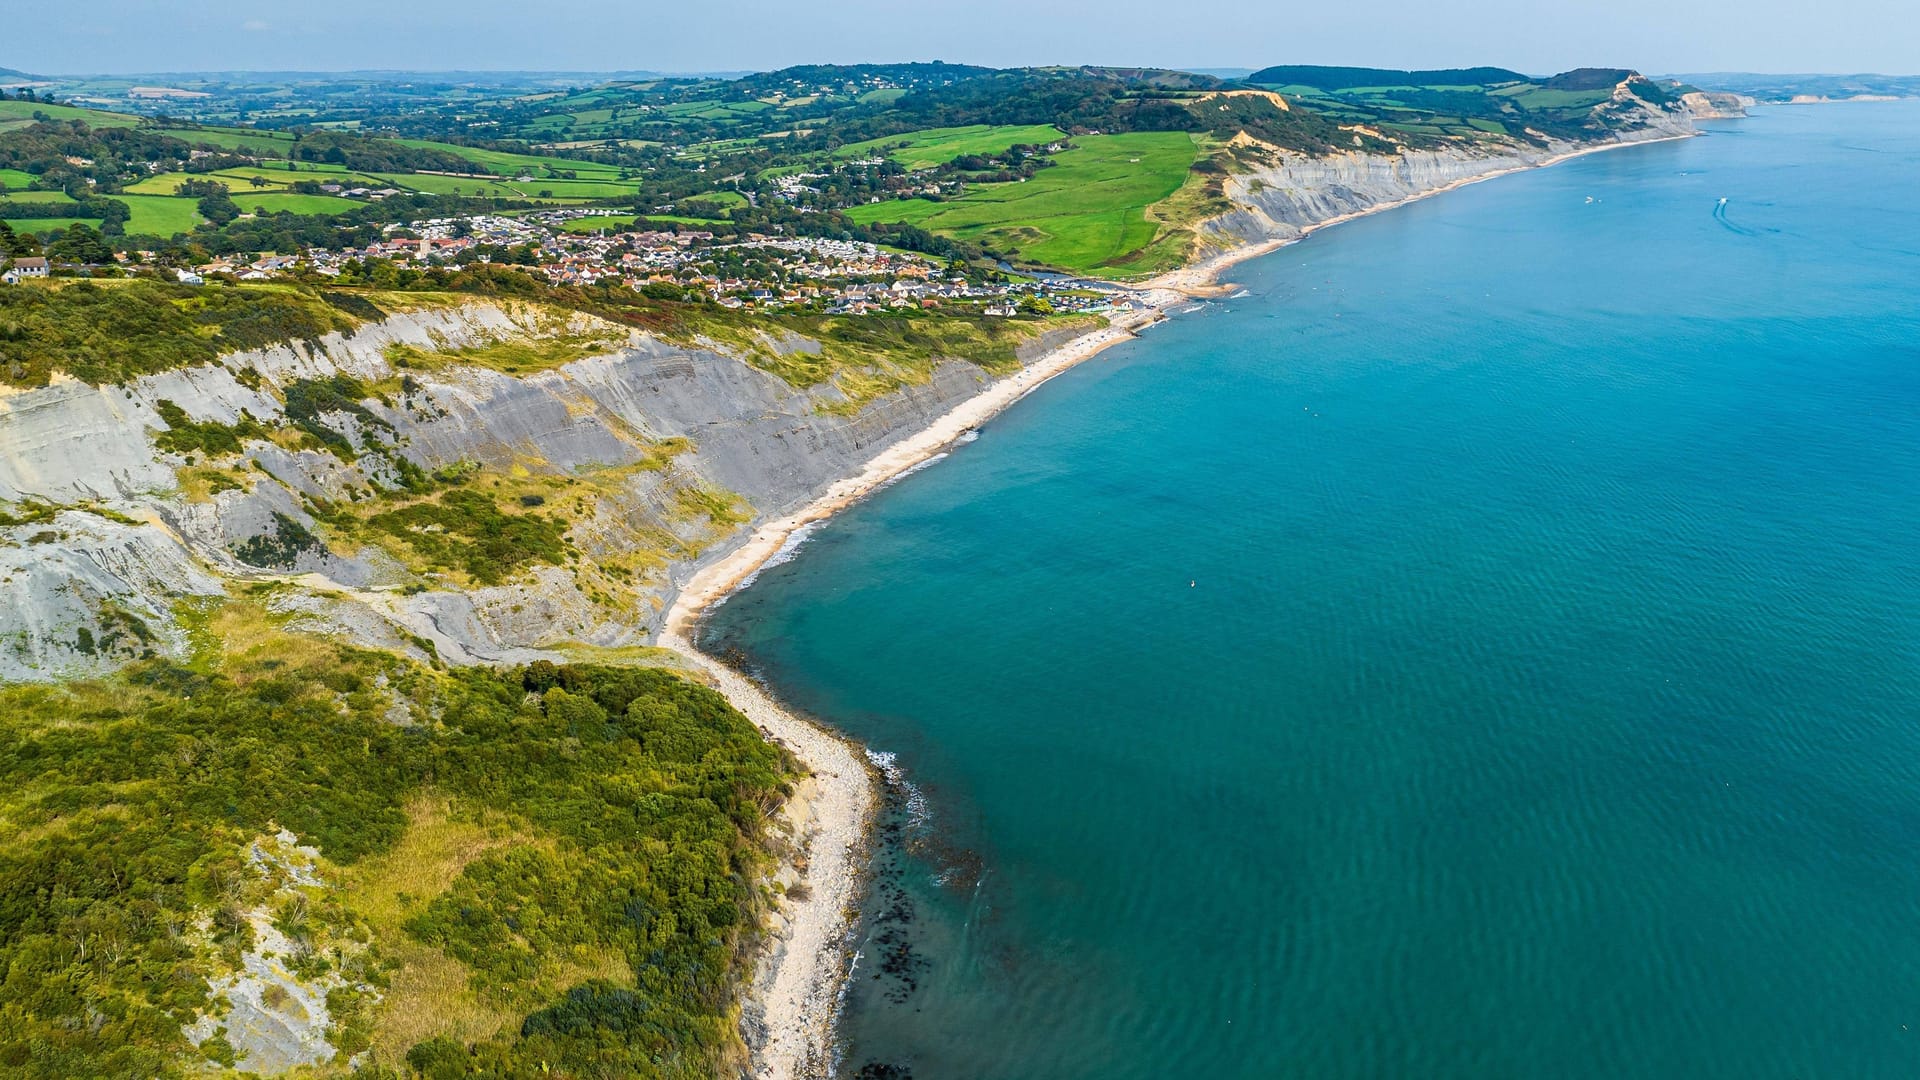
(1294,191)
(73,583)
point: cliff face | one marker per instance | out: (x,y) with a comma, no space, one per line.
(654,454)
(1280,199)
(1717,104)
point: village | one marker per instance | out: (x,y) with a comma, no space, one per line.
(755,272)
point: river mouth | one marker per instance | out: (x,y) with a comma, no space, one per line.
(1487,647)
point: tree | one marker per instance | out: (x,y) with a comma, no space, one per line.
(218,208)
(194,189)
(113,215)
(81,243)
(17,244)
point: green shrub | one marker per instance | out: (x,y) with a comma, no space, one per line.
(308,400)
(280,549)
(466,530)
(209,437)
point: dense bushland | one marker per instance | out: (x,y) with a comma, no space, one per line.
(128,802)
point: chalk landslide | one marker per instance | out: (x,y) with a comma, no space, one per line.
(106,579)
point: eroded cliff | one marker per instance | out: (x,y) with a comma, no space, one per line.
(396,486)
(1278,194)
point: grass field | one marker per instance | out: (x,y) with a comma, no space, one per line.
(14,179)
(19,114)
(724,199)
(269,143)
(1540,97)
(593,224)
(45,226)
(274,202)
(1088,213)
(160,215)
(278,178)
(36,196)
(507,189)
(506,164)
(276,144)
(937,146)
(151,215)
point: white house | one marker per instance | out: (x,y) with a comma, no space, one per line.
(24,268)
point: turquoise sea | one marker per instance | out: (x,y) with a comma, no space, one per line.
(1490,647)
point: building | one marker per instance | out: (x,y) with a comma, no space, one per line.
(23,269)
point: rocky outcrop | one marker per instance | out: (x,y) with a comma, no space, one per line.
(642,436)
(87,592)
(1717,104)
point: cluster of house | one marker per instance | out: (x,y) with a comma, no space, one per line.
(758,272)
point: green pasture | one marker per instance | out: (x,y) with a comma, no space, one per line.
(509,164)
(19,114)
(1540,97)
(558,190)
(1087,213)
(160,215)
(595,224)
(277,202)
(36,196)
(937,146)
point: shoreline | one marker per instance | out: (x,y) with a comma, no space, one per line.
(796,988)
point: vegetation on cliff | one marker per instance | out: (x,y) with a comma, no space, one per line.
(588,922)
(117,330)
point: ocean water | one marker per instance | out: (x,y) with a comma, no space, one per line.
(1490,647)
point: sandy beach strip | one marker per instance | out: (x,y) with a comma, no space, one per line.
(789,1013)
(794,999)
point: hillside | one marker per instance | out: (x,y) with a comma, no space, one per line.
(815,150)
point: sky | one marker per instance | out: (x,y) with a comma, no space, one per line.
(1534,36)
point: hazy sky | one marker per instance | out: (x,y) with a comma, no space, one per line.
(1536,36)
